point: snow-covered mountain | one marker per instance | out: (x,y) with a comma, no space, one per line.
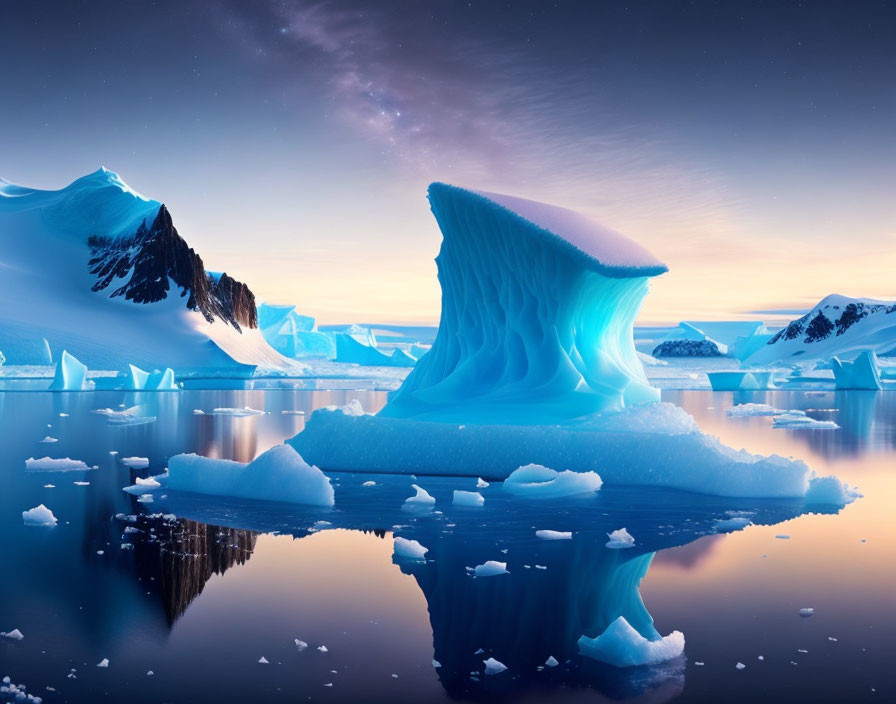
(100,270)
(837,325)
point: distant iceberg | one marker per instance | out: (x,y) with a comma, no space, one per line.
(534,362)
(862,373)
(71,375)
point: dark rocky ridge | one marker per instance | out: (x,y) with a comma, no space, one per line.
(157,254)
(687,348)
(823,324)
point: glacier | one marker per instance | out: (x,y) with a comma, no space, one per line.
(99,270)
(534,362)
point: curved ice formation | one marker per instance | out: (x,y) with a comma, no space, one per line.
(535,481)
(541,343)
(71,375)
(861,373)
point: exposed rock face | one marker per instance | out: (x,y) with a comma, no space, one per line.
(827,319)
(156,256)
(687,348)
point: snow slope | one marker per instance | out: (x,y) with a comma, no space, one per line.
(837,325)
(79,269)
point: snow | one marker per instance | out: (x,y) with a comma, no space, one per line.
(753,409)
(862,373)
(620,645)
(71,375)
(490,568)
(46,299)
(494,667)
(620,538)
(409,549)
(47,464)
(537,481)
(554,535)
(280,474)
(135,462)
(467,498)
(14,634)
(421,497)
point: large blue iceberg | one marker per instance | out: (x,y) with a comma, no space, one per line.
(534,362)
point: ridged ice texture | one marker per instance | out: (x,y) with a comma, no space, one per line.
(534,326)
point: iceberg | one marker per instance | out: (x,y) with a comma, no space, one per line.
(422,497)
(467,498)
(71,375)
(293,335)
(534,362)
(494,667)
(353,349)
(536,481)
(739,380)
(14,634)
(620,538)
(279,474)
(39,516)
(490,568)
(408,549)
(49,464)
(622,646)
(553,534)
(862,373)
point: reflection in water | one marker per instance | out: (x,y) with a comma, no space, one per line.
(177,557)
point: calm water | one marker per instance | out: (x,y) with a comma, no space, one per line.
(200,599)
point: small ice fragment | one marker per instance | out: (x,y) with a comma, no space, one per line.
(731,524)
(145,499)
(321,525)
(551,661)
(322,648)
(554,534)
(300,644)
(263,660)
(831,638)
(494,667)
(49,486)
(740,666)
(410,549)
(490,569)
(237,412)
(113,452)
(541,567)
(468,498)
(369,483)
(421,497)
(39,516)
(481,483)
(480,651)
(103,663)
(807,612)
(150,673)
(14,634)
(49,439)
(761,657)
(436,663)
(49,464)
(394,676)
(621,645)
(135,462)
(801,650)
(698,663)
(620,539)
(782,536)
(81,483)
(100,552)
(292,413)
(540,482)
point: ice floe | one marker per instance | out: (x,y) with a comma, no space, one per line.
(537,481)
(467,498)
(621,645)
(422,497)
(39,516)
(490,568)
(554,534)
(48,464)
(409,549)
(620,539)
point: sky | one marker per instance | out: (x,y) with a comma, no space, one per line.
(750,145)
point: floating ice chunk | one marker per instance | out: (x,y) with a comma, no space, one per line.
(47,464)
(537,481)
(799,420)
(103,663)
(14,634)
(494,667)
(49,439)
(150,673)
(279,474)
(409,549)
(554,534)
(620,539)
(731,524)
(135,462)
(830,491)
(71,375)
(468,498)
(145,499)
(300,644)
(807,612)
(490,568)
(148,485)
(782,536)
(161,380)
(861,373)
(290,412)
(622,646)
(753,409)
(551,662)
(481,483)
(369,483)
(353,408)
(263,660)
(237,412)
(436,664)
(39,516)
(740,666)
(421,497)
(129,416)
(49,486)
(322,648)
(321,525)
(81,483)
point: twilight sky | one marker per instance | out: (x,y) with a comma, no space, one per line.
(750,145)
